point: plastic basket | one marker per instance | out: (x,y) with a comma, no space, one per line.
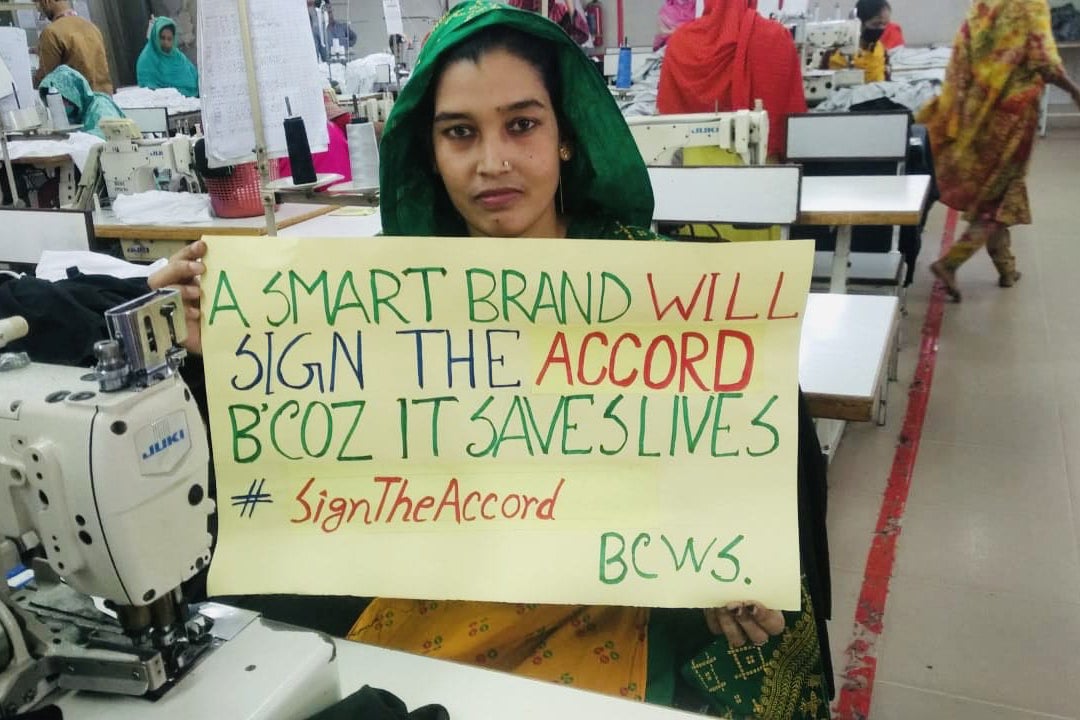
(238,196)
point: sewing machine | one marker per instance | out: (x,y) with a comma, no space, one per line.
(744,132)
(132,164)
(104,507)
(817,42)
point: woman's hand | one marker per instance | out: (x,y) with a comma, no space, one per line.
(1063,81)
(184,272)
(740,622)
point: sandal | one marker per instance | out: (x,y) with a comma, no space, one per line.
(1007,281)
(947,278)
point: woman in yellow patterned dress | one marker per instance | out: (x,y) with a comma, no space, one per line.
(982,127)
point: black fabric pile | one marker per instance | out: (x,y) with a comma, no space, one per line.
(1065,21)
(50,712)
(66,317)
(371,703)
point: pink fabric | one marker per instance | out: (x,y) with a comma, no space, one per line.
(334,160)
(673,14)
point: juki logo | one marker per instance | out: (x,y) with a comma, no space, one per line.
(164,444)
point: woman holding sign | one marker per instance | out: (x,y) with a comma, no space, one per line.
(505,130)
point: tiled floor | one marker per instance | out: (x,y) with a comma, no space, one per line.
(983,616)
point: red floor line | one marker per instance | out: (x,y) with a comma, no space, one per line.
(857,680)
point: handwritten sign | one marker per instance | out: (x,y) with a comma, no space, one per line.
(15,54)
(285,67)
(507,420)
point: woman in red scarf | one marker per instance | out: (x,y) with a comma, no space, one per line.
(726,60)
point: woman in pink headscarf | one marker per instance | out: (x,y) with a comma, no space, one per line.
(673,14)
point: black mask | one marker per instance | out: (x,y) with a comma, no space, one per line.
(872,35)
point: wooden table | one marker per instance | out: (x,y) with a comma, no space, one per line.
(51,161)
(107,227)
(850,200)
(61,165)
(343,222)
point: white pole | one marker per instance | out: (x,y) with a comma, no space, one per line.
(262,159)
(544,7)
(16,201)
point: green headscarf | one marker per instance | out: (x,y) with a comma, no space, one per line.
(605,185)
(87,107)
(159,69)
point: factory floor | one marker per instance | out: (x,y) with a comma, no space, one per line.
(982,615)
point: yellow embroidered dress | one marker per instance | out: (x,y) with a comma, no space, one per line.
(982,127)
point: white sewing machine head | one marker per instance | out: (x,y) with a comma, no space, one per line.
(132,164)
(833,34)
(104,510)
(822,39)
(817,42)
(744,132)
(103,485)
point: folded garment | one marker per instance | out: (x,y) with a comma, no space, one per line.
(640,99)
(920,58)
(360,76)
(157,207)
(169,98)
(54,265)
(911,95)
(77,146)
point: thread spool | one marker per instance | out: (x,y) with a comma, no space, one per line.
(296,140)
(385,106)
(371,109)
(363,156)
(57,112)
(12,328)
(622,77)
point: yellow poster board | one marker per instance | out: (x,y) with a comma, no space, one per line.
(542,421)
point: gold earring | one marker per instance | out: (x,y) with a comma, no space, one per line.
(565,153)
